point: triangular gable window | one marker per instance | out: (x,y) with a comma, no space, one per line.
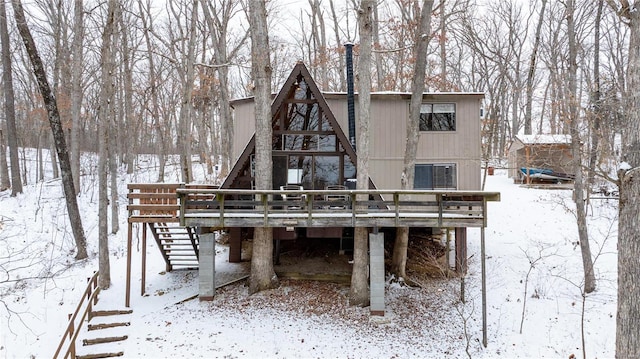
(309,148)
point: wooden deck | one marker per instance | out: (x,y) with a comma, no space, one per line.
(392,208)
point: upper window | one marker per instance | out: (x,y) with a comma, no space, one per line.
(435,176)
(438,117)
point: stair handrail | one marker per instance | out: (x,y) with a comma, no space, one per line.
(88,300)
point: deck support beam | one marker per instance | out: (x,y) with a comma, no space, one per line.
(235,245)
(484,288)
(207,267)
(127,299)
(461,250)
(376,275)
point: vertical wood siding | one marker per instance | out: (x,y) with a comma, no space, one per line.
(389,116)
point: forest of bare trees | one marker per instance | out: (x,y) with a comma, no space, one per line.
(177,64)
(133,77)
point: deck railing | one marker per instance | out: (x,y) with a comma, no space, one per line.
(321,208)
(84,309)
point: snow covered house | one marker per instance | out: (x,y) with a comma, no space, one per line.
(314,173)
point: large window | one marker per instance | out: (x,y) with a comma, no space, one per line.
(435,176)
(438,117)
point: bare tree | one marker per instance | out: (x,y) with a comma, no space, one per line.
(399,261)
(9,105)
(105,119)
(576,151)
(5,183)
(627,324)
(218,17)
(263,275)
(359,292)
(76,89)
(532,71)
(56,128)
(184,132)
(145,15)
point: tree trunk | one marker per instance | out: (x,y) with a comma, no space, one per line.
(341,66)
(263,275)
(106,117)
(56,128)
(184,136)
(627,323)
(576,152)
(153,90)
(76,89)
(218,24)
(130,139)
(444,84)
(9,105)
(399,259)
(532,72)
(5,183)
(596,114)
(359,293)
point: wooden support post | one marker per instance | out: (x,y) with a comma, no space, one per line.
(207,266)
(484,288)
(461,250)
(127,299)
(376,275)
(143,267)
(235,245)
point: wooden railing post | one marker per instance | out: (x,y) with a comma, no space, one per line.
(72,348)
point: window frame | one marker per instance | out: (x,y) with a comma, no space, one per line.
(431,117)
(432,170)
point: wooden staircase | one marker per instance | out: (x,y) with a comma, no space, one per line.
(105,334)
(178,245)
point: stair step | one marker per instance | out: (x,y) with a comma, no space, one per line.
(107,325)
(104,340)
(106,313)
(101,355)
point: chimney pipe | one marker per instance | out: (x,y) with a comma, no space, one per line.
(351,112)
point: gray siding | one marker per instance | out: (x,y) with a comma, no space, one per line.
(389,116)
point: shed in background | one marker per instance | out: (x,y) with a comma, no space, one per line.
(539,151)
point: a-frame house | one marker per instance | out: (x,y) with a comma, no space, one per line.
(309,146)
(309,150)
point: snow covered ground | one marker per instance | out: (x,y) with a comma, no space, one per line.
(530,231)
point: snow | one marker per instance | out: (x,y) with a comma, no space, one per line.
(544,139)
(625,166)
(40,284)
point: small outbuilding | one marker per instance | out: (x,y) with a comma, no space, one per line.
(540,158)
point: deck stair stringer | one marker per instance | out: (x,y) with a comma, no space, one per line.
(178,245)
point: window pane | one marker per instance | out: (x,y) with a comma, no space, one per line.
(444,122)
(327,143)
(327,171)
(438,117)
(300,170)
(349,169)
(444,176)
(425,121)
(300,142)
(302,117)
(423,177)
